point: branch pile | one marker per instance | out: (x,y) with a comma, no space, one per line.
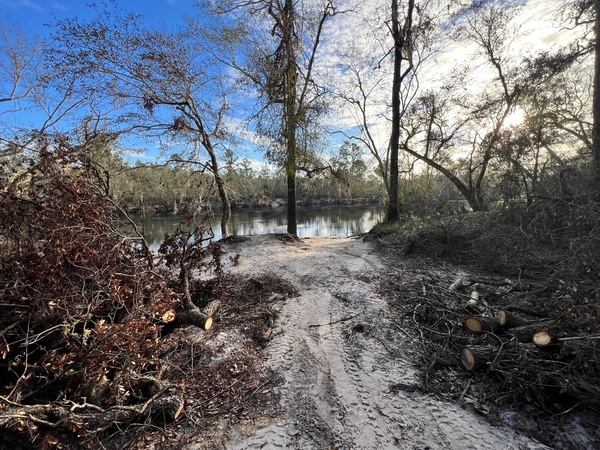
(91,342)
(492,351)
(532,336)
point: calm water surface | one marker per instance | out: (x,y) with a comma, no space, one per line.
(325,222)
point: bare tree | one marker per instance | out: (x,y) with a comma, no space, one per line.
(470,124)
(29,105)
(397,53)
(583,15)
(19,64)
(365,109)
(402,34)
(148,82)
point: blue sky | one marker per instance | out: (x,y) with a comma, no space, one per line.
(36,18)
(538,21)
(34,15)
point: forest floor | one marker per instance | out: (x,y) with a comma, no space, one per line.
(349,369)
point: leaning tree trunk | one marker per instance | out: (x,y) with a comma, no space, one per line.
(189,109)
(225,205)
(221,188)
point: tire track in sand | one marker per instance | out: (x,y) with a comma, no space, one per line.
(338,373)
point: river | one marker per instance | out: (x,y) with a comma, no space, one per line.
(331,221)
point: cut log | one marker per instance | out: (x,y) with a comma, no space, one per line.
(544,339)
(527,311)
(476,305)
(480,324)
(208,323)
(477,357)
(510,320)
(212,308)
(168,316)
(525,333)
(191,317)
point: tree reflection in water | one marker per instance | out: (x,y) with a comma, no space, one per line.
(324,222)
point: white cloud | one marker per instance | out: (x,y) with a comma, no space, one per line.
(352,37)
(249,139)
(23,4)
(60,6)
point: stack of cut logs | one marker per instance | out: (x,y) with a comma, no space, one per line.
(510,324)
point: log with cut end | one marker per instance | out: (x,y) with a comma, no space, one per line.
(525,333)
(510,320)
(544,339)
(480,324)
(168,316)
(476,305)
(527,311)
(477,357)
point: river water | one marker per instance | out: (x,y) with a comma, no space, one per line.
(331,221)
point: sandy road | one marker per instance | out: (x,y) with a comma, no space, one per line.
(347,366)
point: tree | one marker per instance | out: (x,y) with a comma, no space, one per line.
(392,62)
(557,98)
(280,64)
(348,167)
(19,64)
(586,13)
(583,14)
(292,88)
(402,51)
(24,86)
(148,82)
(469,123)
(596,103)
(359,95)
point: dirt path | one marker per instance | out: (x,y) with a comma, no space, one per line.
(347,367)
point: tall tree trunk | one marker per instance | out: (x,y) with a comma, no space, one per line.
(402,38)
(393,209)
(189,110)
(291,114)
(596,98)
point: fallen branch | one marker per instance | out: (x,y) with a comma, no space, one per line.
(525,333)
(345,319)
(86,418)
